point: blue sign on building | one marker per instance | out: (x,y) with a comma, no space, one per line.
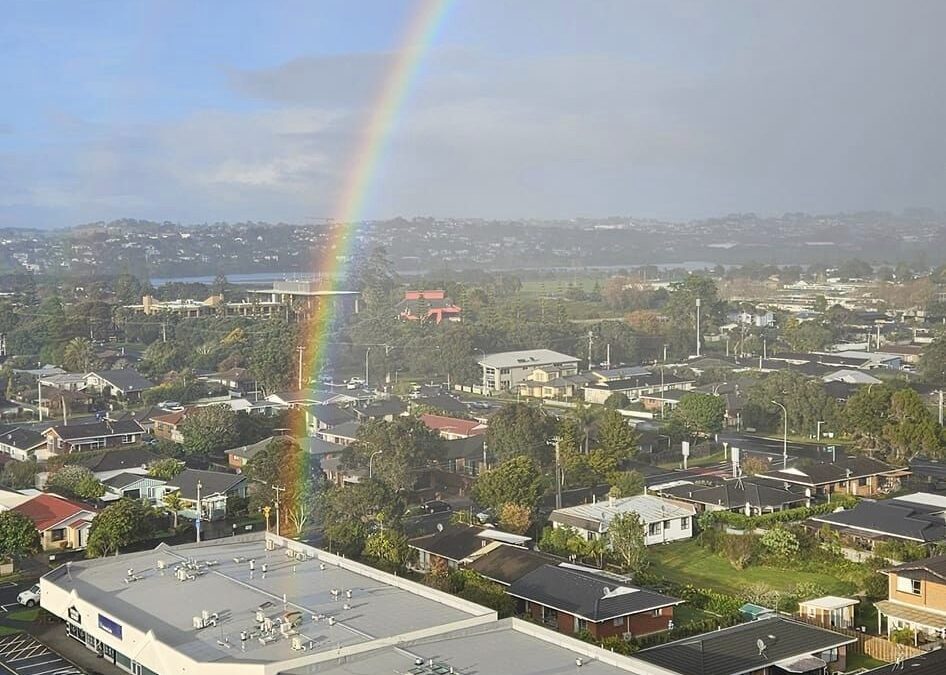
(111,627)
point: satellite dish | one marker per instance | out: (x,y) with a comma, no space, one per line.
(439,527)
(761,645)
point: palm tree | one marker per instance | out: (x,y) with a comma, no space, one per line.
(584,417)
(173,504)
(79,355)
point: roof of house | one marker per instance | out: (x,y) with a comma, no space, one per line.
(470,447)
(928,663)
(211,482)
(736,650)
(319,446)
(250,451)
(829,602)
(21,438)
(123,480)
(588,594)
(443,402)
(344,430)
(453,425)
(733,494)
(846,468)
(935,566)
(851,377)
(597,516)
(74,432)
(382,408)
(454,542)
(672,394)
(127,380)
(121,458)
(506,564)
(46,510)
(639,382)
(331,414)
(171,418)
(891,517)
(526,358)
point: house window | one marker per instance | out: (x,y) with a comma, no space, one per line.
(128,438)
(862,482)
(653,529)
(581,624)
(666,525)
(57,534)
(656,612)
(829,655)
(618,621)
(685,523)
(907,585)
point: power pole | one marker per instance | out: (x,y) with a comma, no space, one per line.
(607,359)
(558,474)
(300,349)
(277,490)
(197,522)
(591,338)
(698,326)
(39,398)
(941,407)
(164,331)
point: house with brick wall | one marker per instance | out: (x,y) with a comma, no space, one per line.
(916,598)
(573,599)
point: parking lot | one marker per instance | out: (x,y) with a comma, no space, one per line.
(22,654)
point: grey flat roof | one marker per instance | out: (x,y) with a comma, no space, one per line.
(526,358)
(502,647)
(167,606)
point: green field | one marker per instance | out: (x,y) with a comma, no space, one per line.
(687,563)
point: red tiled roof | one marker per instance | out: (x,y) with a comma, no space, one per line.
(46,510)
(452,425)
(173,418)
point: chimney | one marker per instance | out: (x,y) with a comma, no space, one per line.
(610,500)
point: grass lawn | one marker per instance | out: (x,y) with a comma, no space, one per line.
(26,615)
(687,563)
(855,661)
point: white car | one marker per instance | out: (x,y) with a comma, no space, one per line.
(29,597)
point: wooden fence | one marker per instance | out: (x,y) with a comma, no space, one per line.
(875,646)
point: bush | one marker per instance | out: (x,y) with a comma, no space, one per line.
(901,551)
(741,521)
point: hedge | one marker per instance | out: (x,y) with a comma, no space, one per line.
(743,522)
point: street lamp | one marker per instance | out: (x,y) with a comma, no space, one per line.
(367,351)
(784,434)
(371,462)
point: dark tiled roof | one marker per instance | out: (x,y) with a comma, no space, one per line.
(319,446)
(96,429)
(905,520)
(20,438)
(331,414)
(445,403)
(506,564)
(735,650)
(211,482)
(585,593)
(470,447)
(855,466)
(126,380)
(125,479)
(930,663)
(122,458)
(345,430)
(733,495)
(935,566)
(650,380)
(456,542)
(382,408)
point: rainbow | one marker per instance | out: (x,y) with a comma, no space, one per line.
(363,167)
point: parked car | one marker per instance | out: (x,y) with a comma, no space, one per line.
(436,506)
(29,597)
(173,406)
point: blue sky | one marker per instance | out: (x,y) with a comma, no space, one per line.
(200,112)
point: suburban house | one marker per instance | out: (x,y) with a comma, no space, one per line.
(169,425)
(926,663)
(106,464)
(428,306)
(467,456)
(238,381)
(216,488)
(854,475)
(122,385)
(91,436)
(505,370)
(21,443)
(741,496)
(830,611)
(919,518)
(573,599)
(237,458)
(62,523)
(769,646)
(452,428)
(553,383)
(12,498)
(457,545)
(343,434)
(132,486)
(663,520)
(382,409)
(636,386)
(506,564)
(319,417)
(663,400)
(916,598)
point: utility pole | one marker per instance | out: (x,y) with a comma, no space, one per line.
(558,473)
(39,398)
(367,351)
(164,331)
(591,338)
(277,490)
(784,434)
(607,360)
(941,407)
(300,349)
(197,522)
(698,302)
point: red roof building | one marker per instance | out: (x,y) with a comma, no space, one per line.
(428,306)
(452,428)
(61,523)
